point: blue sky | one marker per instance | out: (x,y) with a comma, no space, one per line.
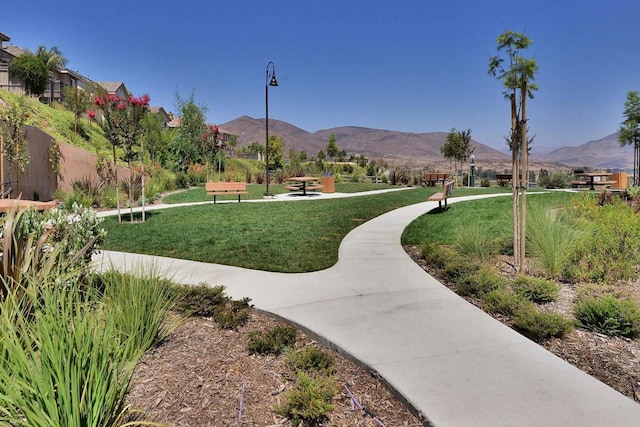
(414,66)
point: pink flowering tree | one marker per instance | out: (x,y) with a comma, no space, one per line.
(212,148)
(122,125)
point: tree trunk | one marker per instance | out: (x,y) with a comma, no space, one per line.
(131,184)
(115,177)
(515,181)
(525,176)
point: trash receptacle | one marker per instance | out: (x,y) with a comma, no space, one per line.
(328,184)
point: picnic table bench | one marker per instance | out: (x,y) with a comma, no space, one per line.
(225,189)
(304,184)
(503,178)
(443,195)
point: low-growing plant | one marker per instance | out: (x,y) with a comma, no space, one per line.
(503,301)
(481,282)
(309,401)
(540,325)
(311,359)
(77,197)
(274,341)
(200,300)
(536,289)
(108,197)
(232,314)
(609,315)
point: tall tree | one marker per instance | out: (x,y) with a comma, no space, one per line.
(187,147)
(517,74)
(629,132)
(32,72)
(332,148)
(52,58)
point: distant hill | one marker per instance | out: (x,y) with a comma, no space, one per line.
(603,153)
(419,148)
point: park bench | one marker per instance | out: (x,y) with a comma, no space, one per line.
(226,189)
(443,195)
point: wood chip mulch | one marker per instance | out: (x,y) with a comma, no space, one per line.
(197,376)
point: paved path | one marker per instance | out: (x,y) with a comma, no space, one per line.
(454,364)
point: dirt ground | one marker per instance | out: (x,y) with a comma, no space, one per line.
(197,376)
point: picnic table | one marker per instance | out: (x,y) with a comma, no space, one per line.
(593,178)
(304,184)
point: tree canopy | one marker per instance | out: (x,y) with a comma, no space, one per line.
(629,132)
(31,71)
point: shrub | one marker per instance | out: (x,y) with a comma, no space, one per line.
(609,249)
(108,197)
(273,341)
(77,197)
(182,180)
(536,289)
(555,180)
(201,300)
(309,401)
(485,183)
(503,301)
(436,255)
(609,315)
(481,282)
(232,314)
(311,359)
(540,325)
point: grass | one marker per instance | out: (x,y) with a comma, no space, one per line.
(256,191)
(494,214)
(285,237)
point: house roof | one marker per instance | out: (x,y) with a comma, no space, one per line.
(15,50)
(111,87)
(4,37)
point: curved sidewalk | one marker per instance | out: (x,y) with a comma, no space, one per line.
(454,364)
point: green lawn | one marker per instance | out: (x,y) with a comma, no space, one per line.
(280,236)
(256,191)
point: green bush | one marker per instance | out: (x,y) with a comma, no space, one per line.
(609,315)
(436,255)
(609,249)
(536,289)
(77,197)
(200,300)
(108,197)
(311,359)
(232,314)
(273,341)
(310,401)
(503,301)
(540,325)
(481,282)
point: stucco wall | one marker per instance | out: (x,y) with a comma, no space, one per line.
(39,181)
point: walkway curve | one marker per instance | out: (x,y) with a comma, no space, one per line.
(451,362)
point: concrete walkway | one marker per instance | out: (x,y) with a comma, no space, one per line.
(454,364)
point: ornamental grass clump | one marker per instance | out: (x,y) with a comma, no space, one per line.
(609,315)
(63,366)
(550,238)
(475,241)
(481,282)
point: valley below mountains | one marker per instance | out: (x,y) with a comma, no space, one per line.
(423,149)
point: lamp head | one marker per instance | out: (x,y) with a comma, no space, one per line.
(273,81)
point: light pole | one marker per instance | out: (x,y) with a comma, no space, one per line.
(270,80)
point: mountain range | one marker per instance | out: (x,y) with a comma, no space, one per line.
(420,149)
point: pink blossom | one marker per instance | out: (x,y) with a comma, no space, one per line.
(98,100)
(134,100)
(114,98)
(91,114)
(122,106)
(145,99)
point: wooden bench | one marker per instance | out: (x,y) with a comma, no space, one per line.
(225,189)
(439,197)
(503,179)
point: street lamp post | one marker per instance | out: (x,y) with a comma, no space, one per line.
(270,80)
